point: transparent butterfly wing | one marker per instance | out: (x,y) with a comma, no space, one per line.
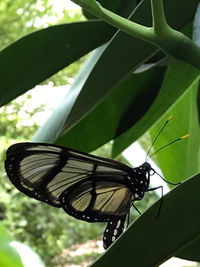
(93,200)
(82,184)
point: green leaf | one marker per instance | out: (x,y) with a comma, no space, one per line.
(119,111)
(50,130)
(180,160)
(191,252)
(159,239)
(8,254)
(177,81)
(37,56)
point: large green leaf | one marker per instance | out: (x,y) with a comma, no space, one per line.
(177,81)
(8,254)
(116,113)
(159,239)
(37,56)
(122,55)
(49,131)
(191,252)
(180,160)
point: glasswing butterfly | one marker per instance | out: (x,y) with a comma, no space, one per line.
(87,187)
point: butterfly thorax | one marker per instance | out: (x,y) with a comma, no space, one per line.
(139,180)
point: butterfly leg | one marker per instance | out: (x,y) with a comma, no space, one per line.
(136,208)
(161,199)
(113,230)
(128,219)
(128,215)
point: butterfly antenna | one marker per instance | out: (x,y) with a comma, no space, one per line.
(170,117)
(166,180)
(172,142)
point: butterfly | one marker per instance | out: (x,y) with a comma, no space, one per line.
(87,187)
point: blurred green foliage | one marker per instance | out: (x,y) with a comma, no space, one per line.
(20,17)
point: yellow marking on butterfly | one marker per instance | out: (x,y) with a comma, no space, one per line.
(185,136)
(170,117)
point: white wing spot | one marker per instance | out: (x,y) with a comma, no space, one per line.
(115,232)
(113,238)
(118,224)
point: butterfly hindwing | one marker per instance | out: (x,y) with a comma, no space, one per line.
(97,200)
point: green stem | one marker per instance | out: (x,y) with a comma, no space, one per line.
(172,42)
(180,47)
(160,25)
(130,27)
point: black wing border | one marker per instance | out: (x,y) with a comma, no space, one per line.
(19,151)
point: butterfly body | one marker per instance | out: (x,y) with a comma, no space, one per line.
(87,187)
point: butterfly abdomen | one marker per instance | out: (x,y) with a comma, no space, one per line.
(113,230)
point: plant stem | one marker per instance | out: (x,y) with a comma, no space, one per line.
(130,27)
(172,42)
(160,25)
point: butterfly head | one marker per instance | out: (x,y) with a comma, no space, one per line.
(146,167)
